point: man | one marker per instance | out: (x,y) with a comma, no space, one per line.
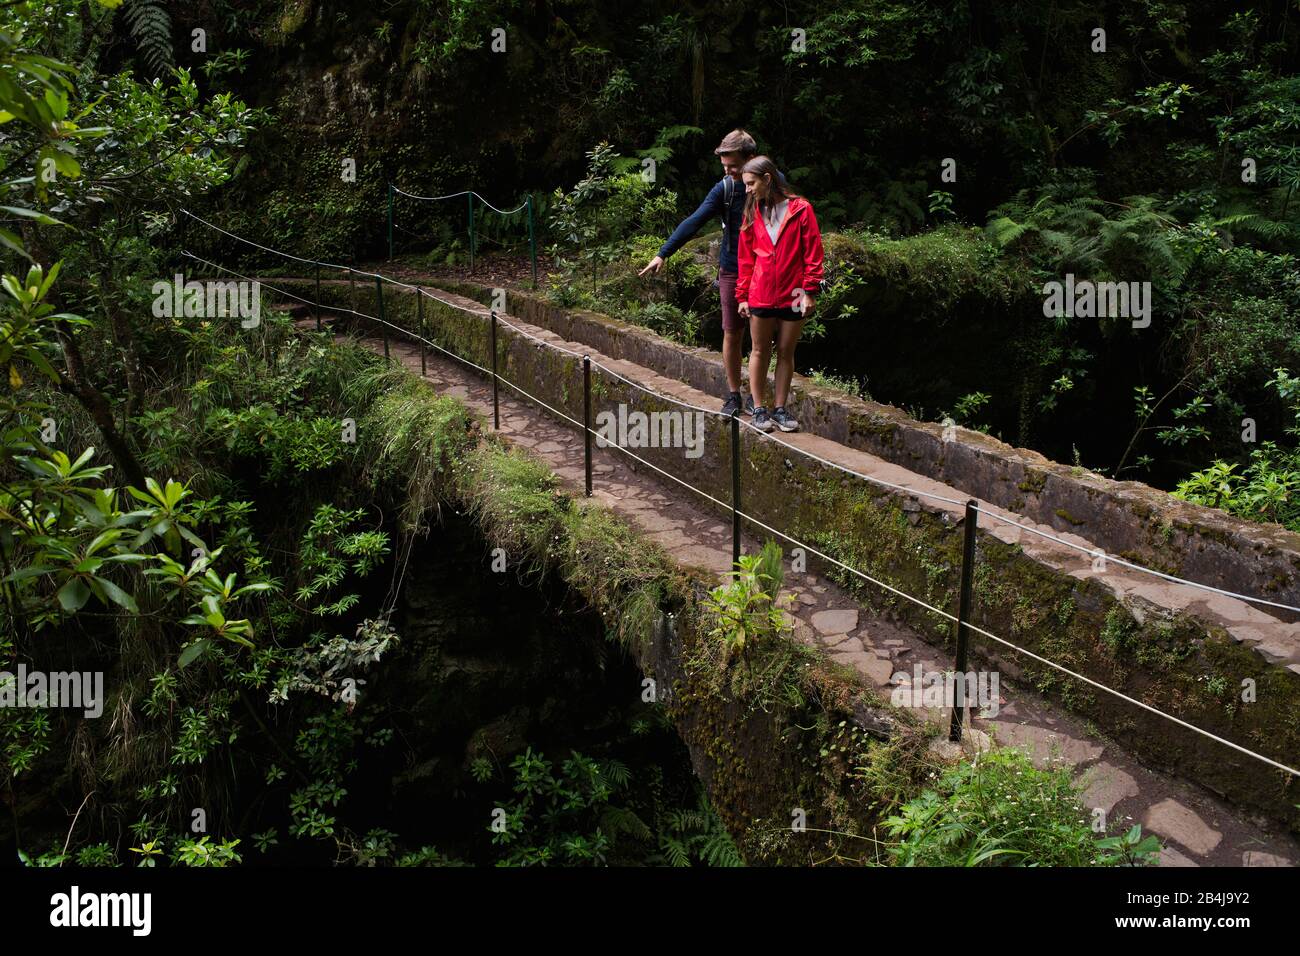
(727,201)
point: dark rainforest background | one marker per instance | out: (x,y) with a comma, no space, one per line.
(959,155)
(1171,157)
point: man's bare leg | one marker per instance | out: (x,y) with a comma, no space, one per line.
(733,345)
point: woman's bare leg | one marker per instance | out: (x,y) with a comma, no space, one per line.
(760,353)
(787,339)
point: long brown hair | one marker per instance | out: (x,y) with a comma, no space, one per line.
(778,188)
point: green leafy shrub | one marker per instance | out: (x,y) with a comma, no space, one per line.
(1268,487)
(925,276)
(583,813)
(1000,810)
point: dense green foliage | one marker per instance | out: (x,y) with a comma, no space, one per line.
(1001,810)
(236,601)
(220,517)
(1169,157)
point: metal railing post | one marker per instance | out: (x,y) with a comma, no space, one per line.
(419,296)
(735,489)
(963,618)
(390,222)
(318,297)
(379,292)
(496,404)
(586,417)
(532,240)
(470,197)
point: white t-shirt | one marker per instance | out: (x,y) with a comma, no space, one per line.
(772,218)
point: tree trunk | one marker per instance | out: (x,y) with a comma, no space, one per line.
(77,384)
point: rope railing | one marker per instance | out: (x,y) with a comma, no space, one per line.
(1097,552)
(973,508)
(352,311)
(470,195)
(909,489)
(464,192)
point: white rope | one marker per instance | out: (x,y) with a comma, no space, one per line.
(1136,567)
(232,272)
(1144,706)
(276,252)
(833,561)
(937,497)
(878,481)
(504,212)
(485,371)
(852,570)
(527,335)
(505,381)
(649,391)
(332,308)
(684,484)
(463,192)
(771,436)
(339,308)
(1028,653)
(481,312)
(429,342)
(949,616)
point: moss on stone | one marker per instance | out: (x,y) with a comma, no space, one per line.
(1077,623)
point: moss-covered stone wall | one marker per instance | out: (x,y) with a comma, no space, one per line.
(764,752)
(1126,518)
(1174,663)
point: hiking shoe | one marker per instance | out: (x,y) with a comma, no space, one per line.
(749,404)
(784,420)
(762,421)
(732,405)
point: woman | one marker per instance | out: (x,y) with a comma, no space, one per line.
(780,270)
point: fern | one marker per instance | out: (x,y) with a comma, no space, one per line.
(1066,230)
(696,834)
(674,851)
(344,604)
(616,773)
(1237,219)
(1005,231)
(771,571)
(619,820)
(670,133)
(151,28)
(718,849)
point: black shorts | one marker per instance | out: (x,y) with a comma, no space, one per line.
(787,315)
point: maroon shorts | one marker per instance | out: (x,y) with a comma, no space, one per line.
(731,320)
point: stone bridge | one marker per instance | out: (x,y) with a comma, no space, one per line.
(872,489)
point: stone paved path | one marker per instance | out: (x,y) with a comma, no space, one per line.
(1196,828)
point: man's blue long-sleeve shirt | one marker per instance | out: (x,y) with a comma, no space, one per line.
(714,205)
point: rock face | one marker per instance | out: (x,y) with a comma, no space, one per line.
(480,678)
(373,86)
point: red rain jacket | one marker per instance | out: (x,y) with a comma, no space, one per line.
(769,274)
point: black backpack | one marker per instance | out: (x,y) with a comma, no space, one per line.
(728,194)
